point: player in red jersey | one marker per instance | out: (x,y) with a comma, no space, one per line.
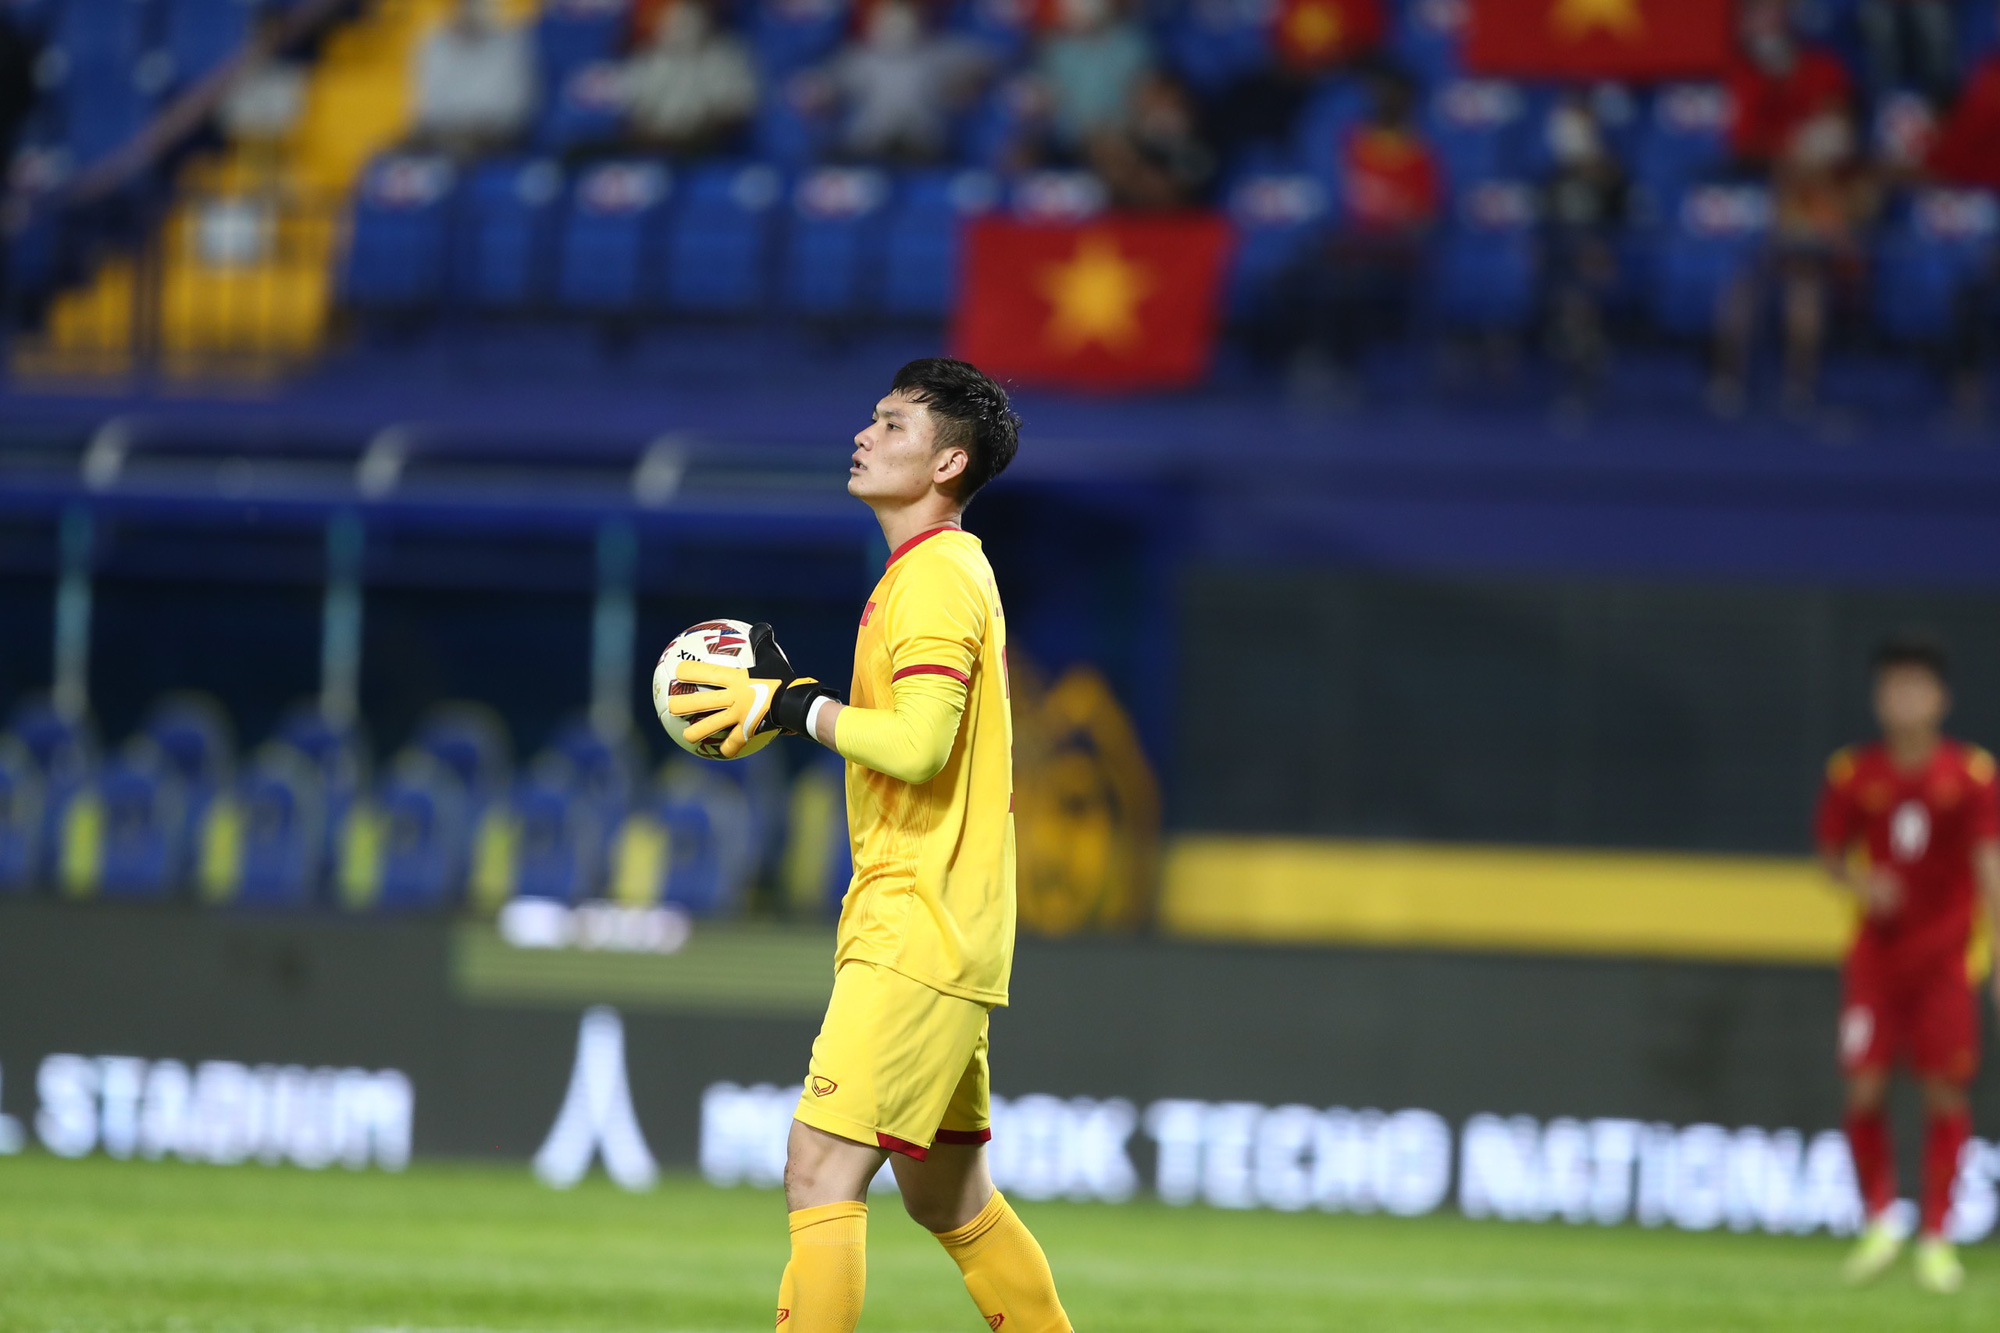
(1910,825)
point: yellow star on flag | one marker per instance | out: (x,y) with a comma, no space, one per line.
(1095,296)
(1575,20)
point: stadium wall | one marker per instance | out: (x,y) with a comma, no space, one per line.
(1509,1085)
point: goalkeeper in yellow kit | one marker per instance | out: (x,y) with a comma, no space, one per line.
(927,928)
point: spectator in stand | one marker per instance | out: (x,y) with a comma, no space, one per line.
(896,88)
(264,100)
(1910,44)
(1310,40)
(1966,153)
(1966,150)
(1584,207)
(1778,83)
(475,83)
(1157,159)
(690,87)
(1360,283)
(1794,123)
(1089,68)
(1823,198)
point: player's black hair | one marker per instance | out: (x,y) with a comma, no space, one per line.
(1913,647)
(971,413)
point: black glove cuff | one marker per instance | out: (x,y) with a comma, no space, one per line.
(794,705)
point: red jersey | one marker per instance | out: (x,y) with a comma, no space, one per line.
(1768,109)
(1390,179)
(1923,825)
(1963,152)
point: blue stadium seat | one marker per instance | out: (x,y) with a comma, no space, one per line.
(199,35)
(103,108)
(1683,141)
(1213,43)
(399,242)
(783,134)
(923,238)
(124,833)
(339,756)
(988,133)
(64,751)
(102,32)
(1425,37)
(506,250)
(1928,262)
(20,818)
(833,248)
(1003,27)
(788,35)
(1276,217)
(588,107)
(1340,104)
(1479,129)
(606,772)
(573,33)
(1057,196)
(690,844)
(1716,235)
(1484,269)
(471,741)
(421,824)
(719,240)
(818,860)
(609,246)
(198,743)
(558,841)
(266,845)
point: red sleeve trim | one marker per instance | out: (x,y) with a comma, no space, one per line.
(932,669)
(965,1136)
(914,1151)
(911,544)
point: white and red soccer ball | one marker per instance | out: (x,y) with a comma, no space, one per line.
(723,643)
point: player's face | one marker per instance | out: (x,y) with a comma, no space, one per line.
(1910,698)
(896,457)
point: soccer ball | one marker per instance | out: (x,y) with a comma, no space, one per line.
(720,643)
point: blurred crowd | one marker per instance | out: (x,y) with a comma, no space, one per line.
(1837,112)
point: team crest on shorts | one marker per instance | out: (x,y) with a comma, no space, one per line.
(824,1087)
(783,1315)
(995,1320)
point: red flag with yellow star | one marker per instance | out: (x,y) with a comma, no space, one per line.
(1116,303)
(1600,39)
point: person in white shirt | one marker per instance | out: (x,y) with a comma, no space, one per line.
(691,86)
(475,83)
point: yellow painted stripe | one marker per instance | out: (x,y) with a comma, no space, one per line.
(1676,906)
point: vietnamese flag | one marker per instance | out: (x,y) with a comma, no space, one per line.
(1113,303)
(1600,39)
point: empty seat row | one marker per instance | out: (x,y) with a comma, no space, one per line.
(171,815)
(632,236)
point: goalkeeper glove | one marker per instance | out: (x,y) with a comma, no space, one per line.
(746,700)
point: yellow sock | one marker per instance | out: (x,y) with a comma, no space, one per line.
(822,1287)
(1006,1271)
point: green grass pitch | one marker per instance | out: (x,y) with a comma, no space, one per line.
(99,1245)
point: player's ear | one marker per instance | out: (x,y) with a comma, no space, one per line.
(949,465)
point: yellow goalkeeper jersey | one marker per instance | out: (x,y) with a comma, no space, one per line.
(933,889)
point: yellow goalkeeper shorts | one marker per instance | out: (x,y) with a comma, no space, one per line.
(898,1065)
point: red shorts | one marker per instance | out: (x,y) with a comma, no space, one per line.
(1926,1015)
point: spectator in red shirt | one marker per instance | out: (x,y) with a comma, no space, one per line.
(1779,84)
(1360,283)
(1966,150)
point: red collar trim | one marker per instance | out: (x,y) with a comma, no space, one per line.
(923,536)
